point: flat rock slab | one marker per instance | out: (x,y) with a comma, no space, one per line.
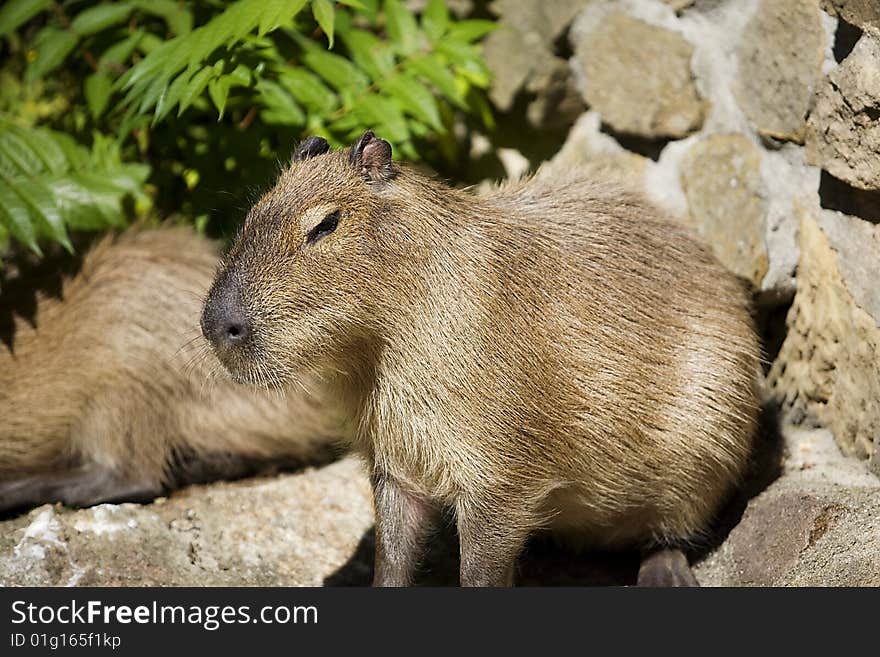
(780,60)
(819,524)
(290,530)
(637,76)
(721,177)
(843,131)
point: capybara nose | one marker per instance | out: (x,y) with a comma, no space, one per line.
(224,322)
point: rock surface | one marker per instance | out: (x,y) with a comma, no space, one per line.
(721,177)
(779,61)
(827,369)
(587,146)
(521,55)
(844,127)
(818,524)
(287,530)
(637,76)
(863,13)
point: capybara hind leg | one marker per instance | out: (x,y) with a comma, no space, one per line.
(666,567)
(83,486)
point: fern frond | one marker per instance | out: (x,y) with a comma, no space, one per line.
(175,66)
(49,183)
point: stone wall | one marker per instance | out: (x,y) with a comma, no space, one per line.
(758,123)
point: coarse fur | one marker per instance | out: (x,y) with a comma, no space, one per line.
(554,355)
(105,393)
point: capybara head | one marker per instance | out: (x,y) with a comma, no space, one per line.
(311,266)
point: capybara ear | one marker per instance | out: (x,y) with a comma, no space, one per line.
(372,157)
(311,147)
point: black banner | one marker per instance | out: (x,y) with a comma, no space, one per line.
(411,621)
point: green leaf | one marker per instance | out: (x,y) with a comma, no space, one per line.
(434,69)
(48,183)
(415,98)
(149,43)
(467,60)
(472,30)
(119,52)
(195,87)
(370,10)
(17,12)
(309,90)
(384,115)
(435,19)
(178,19)
(278,12)
(240,76)
(50,153)
(16,157)
(16,217)
(357,4)
(153,94)
(53,46)
(101,16)
(340,73)
(171,96)
(322,10)
(280,107)
(218,90)
(98,87)
(37,196)
(402,27)
(369,53)
(480,106)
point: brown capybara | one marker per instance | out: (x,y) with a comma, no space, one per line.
(555,355)
(105,393)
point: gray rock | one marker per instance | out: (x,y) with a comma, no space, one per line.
(557,102)
(827,368)
(637,76)
(863,13)
(511,56)
(520,54)
(678,5)
(843,135)
(586,146)
(291,530)
(780,57)
(721,177)
(817,525)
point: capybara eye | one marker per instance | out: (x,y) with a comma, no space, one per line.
(327,226)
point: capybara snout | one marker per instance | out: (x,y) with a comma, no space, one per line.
(225,322)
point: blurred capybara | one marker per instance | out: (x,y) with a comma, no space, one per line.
(105,393)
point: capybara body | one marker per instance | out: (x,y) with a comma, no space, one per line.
(554,355)
(105,393)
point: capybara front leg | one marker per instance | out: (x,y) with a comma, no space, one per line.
(666,567)
(491,542)
(403,521)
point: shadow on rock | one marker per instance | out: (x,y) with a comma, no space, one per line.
(764,468)
(542,564)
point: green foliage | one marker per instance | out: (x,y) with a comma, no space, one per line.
(204,98)
(49,183)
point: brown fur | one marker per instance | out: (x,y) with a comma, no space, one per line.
(554,355)
(105,393)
